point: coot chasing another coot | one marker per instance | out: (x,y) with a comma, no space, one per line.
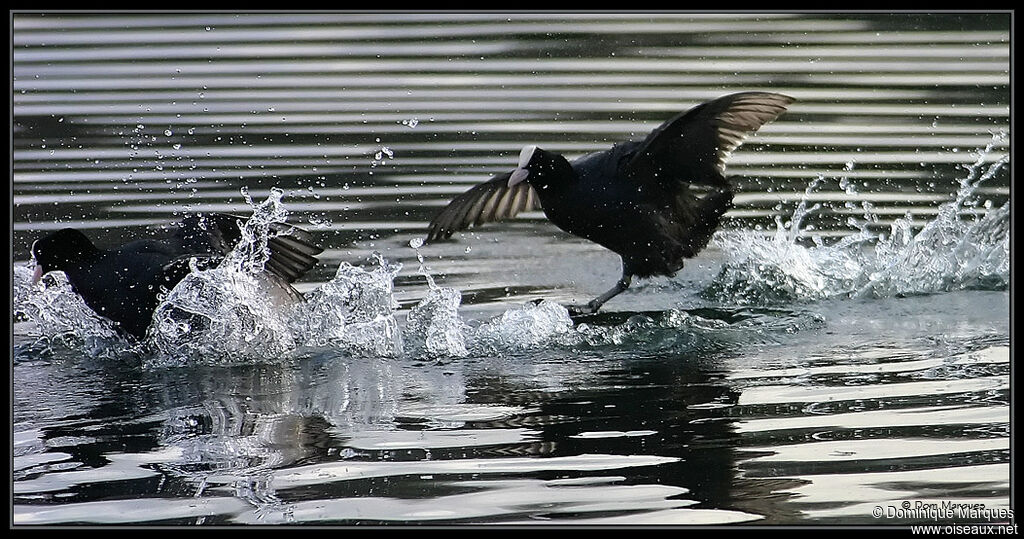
(633,198)
(122,284)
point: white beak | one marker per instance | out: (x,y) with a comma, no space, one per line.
(518,176)
(520,173)
(37,273)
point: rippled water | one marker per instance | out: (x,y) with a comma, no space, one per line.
(843,344)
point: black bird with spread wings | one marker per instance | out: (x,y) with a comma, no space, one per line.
(123,284)
(633,198)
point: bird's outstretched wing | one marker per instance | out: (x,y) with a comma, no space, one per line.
(487,202)
(292,251)
(694,145)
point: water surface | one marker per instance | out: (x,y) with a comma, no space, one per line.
(842,344)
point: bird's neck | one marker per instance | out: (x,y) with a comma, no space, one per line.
(564,204)
(559,192)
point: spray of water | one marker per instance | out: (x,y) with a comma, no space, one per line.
(230,310)
(57,316)
(234,313)
(948,253)
(230,313)
(354,311)
(434,327)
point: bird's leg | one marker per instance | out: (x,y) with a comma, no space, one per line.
(597,302)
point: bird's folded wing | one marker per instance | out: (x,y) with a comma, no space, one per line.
(292,251)
(694,145)
(487,202)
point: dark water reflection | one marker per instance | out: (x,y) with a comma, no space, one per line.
(672,408)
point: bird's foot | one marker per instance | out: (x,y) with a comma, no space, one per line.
(576,310)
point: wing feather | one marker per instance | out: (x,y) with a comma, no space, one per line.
(695,145)
(487,202)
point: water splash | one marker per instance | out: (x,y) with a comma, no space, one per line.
(948,253)
(528,326)
(236,313)
(546,325)
(252,251)
(778,269)
(220,315)
(233,313)
(57,317)
(433,327)
(354,311)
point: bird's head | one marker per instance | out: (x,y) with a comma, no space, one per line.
(541,168)
(60,251)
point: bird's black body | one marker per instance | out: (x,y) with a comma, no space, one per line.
(651,226)
(123,284)
(634,198)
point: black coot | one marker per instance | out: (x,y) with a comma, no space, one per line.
(122,284)
(633,198)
